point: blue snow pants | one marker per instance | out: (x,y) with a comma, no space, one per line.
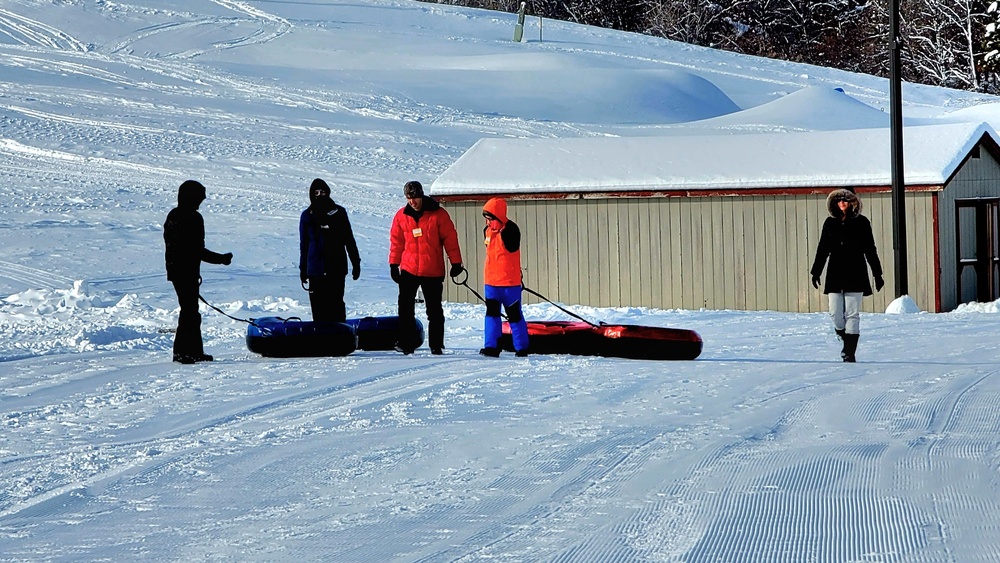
(510,298)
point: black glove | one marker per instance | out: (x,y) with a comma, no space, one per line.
(227,258)
(879,283)
(456,270)
(816,282)
(394,272)
(356,272)
(303,278)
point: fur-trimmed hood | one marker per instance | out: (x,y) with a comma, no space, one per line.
(843,195)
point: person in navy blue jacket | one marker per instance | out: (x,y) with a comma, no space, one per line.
(326,241)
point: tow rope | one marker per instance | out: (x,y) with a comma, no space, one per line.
(525,288)
(225,314)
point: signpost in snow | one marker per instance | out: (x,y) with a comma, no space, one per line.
(519,27)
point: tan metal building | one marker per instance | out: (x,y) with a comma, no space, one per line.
(729,221)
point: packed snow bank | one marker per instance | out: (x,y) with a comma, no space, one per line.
(902,305)
(41,322)
(989,307)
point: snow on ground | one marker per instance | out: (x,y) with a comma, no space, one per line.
(766,448)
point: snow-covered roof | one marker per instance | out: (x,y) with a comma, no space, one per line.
(721,161)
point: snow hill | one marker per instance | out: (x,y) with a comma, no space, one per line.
(766,448)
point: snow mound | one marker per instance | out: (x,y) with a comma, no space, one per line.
(987,112)
(49,302)
(267,305)
(53,321)
(798,110)
(990,307)
(114,338)
(902,305)
(596,96)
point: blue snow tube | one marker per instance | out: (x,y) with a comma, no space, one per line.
(380,333)
(275,337)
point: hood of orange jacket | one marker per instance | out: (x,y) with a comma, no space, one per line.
(497,207)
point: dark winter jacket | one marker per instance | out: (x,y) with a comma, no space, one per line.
(849,245)
(419,239)
(326,240)
(184,235)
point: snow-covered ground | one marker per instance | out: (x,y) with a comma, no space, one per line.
(766,448)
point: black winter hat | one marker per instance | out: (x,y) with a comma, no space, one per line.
(318,188)
(413,188)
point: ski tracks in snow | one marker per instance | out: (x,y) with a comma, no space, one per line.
(30,32)
(358,409)
(239,443)
(131,425)
(757,499)
(33,277)
(269,27)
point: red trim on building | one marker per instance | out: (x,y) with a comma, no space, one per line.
(937,253)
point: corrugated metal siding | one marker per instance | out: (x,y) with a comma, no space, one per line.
(977,178)
(919,247)
(742,252)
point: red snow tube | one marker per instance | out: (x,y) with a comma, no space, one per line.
(610,340)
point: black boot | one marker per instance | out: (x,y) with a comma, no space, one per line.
(850,347)
(840,333)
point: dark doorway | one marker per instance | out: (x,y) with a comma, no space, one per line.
(978,240)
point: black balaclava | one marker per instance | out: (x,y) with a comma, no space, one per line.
(318,189)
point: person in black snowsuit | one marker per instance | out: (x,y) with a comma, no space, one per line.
(847,241)
(184,237)
(326,241)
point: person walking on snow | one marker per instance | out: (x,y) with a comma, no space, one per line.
(421,233)
(326,241)
(848,243)
(502,277)
(184,237)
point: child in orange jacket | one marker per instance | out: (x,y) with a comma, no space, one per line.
(502,277)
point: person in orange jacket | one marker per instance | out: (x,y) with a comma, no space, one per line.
(421,233)
(502,277)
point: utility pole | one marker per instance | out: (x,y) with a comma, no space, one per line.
(896,133)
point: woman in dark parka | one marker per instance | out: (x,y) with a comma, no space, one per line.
(849,245)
